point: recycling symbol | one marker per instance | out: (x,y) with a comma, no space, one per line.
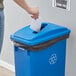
(53,59)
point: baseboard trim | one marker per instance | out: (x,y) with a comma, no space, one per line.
(7,65)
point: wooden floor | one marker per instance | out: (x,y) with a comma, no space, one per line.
(5,72)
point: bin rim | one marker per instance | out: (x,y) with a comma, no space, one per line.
(37,40)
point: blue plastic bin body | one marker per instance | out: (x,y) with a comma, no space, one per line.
(46,62)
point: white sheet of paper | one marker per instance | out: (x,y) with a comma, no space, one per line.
(36,24)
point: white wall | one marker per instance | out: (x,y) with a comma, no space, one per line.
(16,18)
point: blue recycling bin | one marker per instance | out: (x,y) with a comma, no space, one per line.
(42,53)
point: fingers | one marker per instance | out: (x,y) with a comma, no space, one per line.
(34,11)
(35,16)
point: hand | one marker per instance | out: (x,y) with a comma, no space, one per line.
(34,11)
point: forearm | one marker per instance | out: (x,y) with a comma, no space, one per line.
(23,4)
(31,10)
